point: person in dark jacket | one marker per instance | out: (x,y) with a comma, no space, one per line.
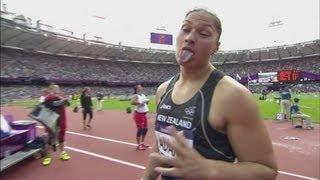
(86,104)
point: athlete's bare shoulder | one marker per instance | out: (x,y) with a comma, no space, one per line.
(231,86)
(230,93)
(161,90)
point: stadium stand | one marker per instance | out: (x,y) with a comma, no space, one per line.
(33,56)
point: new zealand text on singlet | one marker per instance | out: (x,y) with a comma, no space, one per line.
(175,121)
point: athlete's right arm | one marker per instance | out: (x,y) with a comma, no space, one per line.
(149,173)
(134,100)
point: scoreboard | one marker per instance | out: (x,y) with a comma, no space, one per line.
(159,38)
(267,78)
(288,75)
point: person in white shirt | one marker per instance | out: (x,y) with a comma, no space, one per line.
(140,116)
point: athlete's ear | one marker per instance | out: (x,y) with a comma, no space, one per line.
(217,48)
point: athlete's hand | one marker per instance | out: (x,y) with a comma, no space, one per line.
(146,101)
(187,163)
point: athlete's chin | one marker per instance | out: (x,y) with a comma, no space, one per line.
(181,62)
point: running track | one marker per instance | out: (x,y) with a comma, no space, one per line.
(108,150)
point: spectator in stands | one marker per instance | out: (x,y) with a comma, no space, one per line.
(207,125)
(285,100)
(100,100)
(140,116)
(56,101)
(44,93)
(18,64)
(86,104)
(296,113)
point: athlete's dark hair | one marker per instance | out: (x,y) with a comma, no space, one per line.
(135,88)
(85,89)
(217,21)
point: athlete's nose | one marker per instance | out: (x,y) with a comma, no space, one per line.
(190,37)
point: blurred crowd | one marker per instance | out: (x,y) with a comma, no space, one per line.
(15,63)
(18,63)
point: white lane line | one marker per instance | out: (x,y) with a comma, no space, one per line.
(142,167)
(105,157)
(101,138)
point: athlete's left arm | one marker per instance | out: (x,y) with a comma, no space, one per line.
(248,136)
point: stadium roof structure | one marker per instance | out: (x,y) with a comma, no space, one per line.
(17,33)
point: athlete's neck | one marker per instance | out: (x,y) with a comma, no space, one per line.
(196,74)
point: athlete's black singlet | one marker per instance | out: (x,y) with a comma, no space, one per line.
(192,118)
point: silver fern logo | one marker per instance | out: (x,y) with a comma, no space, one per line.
(190,110)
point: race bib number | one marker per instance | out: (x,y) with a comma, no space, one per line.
(162,133)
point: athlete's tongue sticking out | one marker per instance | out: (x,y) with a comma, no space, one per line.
(185,56)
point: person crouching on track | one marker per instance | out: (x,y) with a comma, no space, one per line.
(296,113)
(140,116)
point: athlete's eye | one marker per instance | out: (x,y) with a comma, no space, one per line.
(204,34)
(185,29)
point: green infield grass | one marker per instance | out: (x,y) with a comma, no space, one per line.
(309,104)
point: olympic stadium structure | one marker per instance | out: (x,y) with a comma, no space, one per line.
(119,65)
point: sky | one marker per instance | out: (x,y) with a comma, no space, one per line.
(245,23)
